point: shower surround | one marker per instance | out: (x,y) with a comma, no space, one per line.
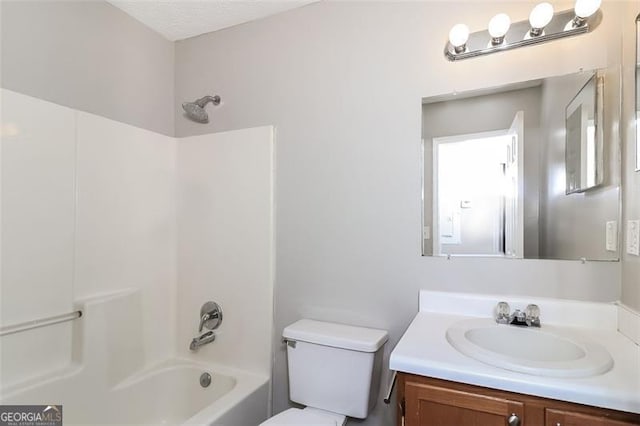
(97,214)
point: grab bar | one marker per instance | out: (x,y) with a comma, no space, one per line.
(40,322)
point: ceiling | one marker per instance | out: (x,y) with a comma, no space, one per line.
(180,19)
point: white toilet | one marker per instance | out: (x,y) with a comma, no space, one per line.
(334,370)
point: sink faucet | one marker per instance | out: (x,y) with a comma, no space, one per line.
(207,337)
(529,318)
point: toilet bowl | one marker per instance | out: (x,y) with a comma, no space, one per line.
(334,370)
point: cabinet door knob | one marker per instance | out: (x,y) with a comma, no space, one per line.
(513,420)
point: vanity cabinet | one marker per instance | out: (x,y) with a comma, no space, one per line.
(572,418)
(424,401)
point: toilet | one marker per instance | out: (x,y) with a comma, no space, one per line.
(334,371)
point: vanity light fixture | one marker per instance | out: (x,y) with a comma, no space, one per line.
(543,25)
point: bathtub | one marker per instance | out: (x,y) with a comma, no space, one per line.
(167,394)
(109,381)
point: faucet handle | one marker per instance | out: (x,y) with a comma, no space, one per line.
(502,313)
(210,316)
(533,315)
(203,319)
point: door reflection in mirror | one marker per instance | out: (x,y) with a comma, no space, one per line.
(476,196)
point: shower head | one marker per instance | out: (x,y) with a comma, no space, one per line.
(195,110)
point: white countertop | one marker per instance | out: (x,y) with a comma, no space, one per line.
(424,350)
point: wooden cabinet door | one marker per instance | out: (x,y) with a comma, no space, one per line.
(569,418)
(429,405)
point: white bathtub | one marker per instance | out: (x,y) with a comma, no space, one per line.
(167,394)
(110,382)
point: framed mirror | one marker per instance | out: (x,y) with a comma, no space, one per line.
(638,93)
(523,171)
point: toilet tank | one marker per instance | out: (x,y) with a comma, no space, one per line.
(334,367)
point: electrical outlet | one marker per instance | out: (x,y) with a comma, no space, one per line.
(633,237)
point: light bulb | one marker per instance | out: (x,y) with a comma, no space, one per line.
(458,37)
(540,17)
(586,8)
(498,27)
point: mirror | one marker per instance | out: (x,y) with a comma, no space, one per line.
(522,171)
(638,93)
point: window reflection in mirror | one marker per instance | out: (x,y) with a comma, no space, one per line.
(495,174)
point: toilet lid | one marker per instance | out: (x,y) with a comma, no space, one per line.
(307,417)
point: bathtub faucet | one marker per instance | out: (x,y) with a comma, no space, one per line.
(210,318)
(207,337)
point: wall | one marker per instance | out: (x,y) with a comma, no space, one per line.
(90,56)
(343,83)
(126,222)
(88,208)
(574,226)
(485,113)
(225,244)
(630,178)
(37,182)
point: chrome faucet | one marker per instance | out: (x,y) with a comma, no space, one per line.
(529,318)
(207,337)
(210,318)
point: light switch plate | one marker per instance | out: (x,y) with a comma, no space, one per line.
(426,233)
(612,236)
(633,237)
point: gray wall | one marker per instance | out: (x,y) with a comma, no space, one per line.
(343,83)
(483,114)
(90,56)
(630,178)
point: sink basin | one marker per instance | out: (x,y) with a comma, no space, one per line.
(546,351)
